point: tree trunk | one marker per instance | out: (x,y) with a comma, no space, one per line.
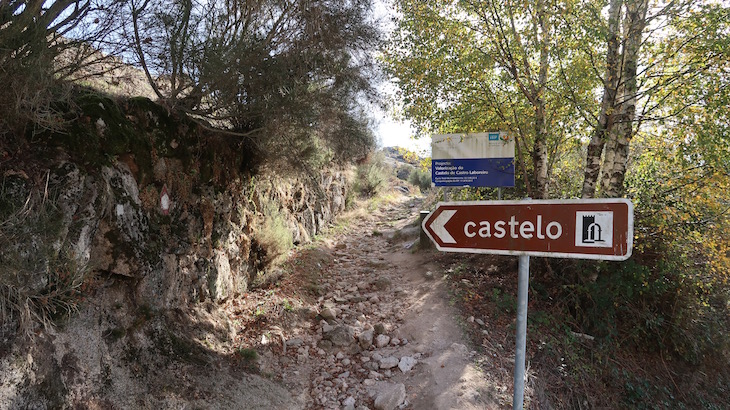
(611,143)
(540,152)
(635,22)
(606,116)
(521,163)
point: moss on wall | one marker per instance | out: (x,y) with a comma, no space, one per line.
(98,130)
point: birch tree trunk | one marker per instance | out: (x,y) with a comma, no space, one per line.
(608,103)
(540,152)
(615,163)
(611,141)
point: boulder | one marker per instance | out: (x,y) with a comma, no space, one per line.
(328,314)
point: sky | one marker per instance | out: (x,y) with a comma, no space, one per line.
(393,132)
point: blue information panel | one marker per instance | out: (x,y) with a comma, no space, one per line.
(473,172)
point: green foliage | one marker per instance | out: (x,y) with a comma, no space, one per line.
(457,74)
(37,51)
(247,354)
(676,292)
(605,305)
(484,194)
(421,178)
(504,301)
(640,393)
(408,156)
(292,97)
(566,173)
(673,296)
(26,62)
(657,305)
(286,78)
(370,176)
(454,77)
(683,234)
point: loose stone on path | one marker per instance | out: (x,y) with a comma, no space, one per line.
(407,363)
(382,340)
(359,355)
(389,396)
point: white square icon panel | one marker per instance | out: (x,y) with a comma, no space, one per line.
(594,229)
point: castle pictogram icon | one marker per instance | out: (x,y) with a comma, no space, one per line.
(592,232)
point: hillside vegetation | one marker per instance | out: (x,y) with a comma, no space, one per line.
(619,98)
(287,80)
(158,159)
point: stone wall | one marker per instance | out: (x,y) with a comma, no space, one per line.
(152,275)
(106,171)
(204,247)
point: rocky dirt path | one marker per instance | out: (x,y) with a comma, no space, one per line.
(385,335)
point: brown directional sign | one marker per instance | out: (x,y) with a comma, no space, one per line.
(584,228)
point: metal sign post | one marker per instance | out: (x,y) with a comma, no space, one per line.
(521,335)
(600,229)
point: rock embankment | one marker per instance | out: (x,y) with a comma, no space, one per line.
(156,224)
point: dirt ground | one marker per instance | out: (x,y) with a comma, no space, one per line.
(364,319)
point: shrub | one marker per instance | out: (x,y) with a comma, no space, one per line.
(420,178)
(275,236)
(673,295)
(40,280)
(404,172)
(657,305)
(683,239)
(370,176)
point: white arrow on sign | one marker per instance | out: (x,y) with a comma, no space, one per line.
(438,226)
